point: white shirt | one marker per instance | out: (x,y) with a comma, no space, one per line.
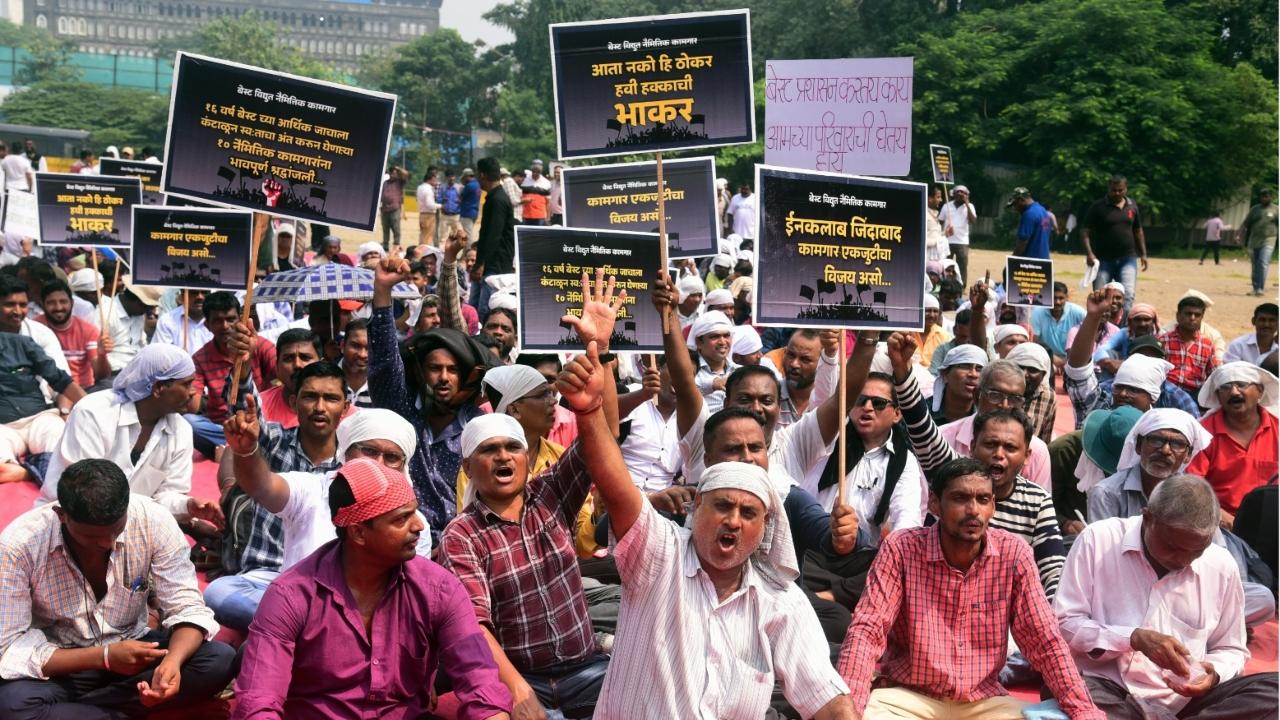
(705,378)
(743,210)
(680,652)
(956,218)
(86,311)
(864,486)
(47,341)
(129,334)
(1213,229)
(169,331)
(16,169)
(427,199)
(1246,348)
(101,427)
(651,450)
(1108,589)
(306,520)
(793,452)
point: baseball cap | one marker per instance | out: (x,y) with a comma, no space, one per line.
(468,171)
(1018,193)
(1149,343)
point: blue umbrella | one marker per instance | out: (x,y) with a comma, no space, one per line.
(331,281)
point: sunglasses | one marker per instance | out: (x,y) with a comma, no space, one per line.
(877,403)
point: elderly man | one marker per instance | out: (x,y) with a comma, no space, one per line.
(1041,406)
(1154,613)
(711,336)
(304,659)
(1001,439)
(940,604)
(138,426)
(955,389)
(127,322)
(1140,380)
(719,584)
(1242,400)
(74,583)
(170,327)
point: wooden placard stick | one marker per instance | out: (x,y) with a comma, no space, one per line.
(260,221)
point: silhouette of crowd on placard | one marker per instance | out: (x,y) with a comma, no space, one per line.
(183,272)
(288,199)
(661,133)
(93,237)
(620,338)
(848,307)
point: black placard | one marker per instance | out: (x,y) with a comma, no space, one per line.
(192,248)
(148,173)
(1028,281)
(86,210)
(940,158)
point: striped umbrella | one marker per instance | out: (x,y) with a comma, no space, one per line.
(331,281)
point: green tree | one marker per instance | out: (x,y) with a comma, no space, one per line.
(248,39)
(113,116)
(1075,90)
(47,58)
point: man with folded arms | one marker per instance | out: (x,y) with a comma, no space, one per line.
(308,657)
(939,606)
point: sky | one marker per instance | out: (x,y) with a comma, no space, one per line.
(465,17)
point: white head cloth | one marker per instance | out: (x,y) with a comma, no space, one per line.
(1240,371)
(487,427)
(502,282)
(690,285)
(1144,373)
(775,558)
(719,296)
(153,364)
(952,264)
(370,247)
(931,301)
(708,322)
(85,280)
(746,340)
(1004,332)
(1030,354)
(959,355)
(504,300)
(1165,419)
(1114,285)
(723,260)
(735,242)
(512,382)
(376,424)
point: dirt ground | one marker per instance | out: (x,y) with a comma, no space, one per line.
(1162,285)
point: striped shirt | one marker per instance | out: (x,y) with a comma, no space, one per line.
(1026,512)
(46,603)
(682,653)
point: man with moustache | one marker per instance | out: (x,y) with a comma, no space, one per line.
(955,390)
(78,337)
(940,604)
(712,336)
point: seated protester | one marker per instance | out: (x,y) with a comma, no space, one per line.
(328,320)
(689,306)
(304,658)
(651,449)
(331,252)
(1189,351)
(1261,342)
(1105,332)
(809,375)
(170,330)
(355,361)
(747,349)
(28,425)
(1141,322)
(1007,337)
(433,386)
(960,332)
(1141,380)
(500,324)
(884,484)
(214,363)
(1041,405)
(934,335)
(1083,458)
(1002,385)
(710,335)
(254,544)
(565,428)
(955,391)
(1001,442)
(14,305)
(74,583)
(1242,399)
(1052,324)
(720,301)
(709,590)
(938,654)
(77,337)
(1212,333)
(138,426)
(718,277)
(1144,600)
(127,321)
(296,348)
(36,274)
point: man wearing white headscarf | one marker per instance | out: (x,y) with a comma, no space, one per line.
(721,266)
(1241,398)
(370,254)
(691,291)
(934,335)
(1041,406)
(712,336)
(720,300)
(138,426)
(955,389)
(1007,337)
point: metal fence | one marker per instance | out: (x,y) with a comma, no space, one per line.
(144,73)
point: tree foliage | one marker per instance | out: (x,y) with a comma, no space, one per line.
(48,59)
(249,39)
(113,116)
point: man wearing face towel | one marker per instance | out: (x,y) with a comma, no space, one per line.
(711,335)
(690,306)
(721,266)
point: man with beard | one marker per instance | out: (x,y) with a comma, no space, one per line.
(78,337)
(1001,442)
(940,604)
(355,361)
(1142,321)
(169,328)
(800,361)
(432,385)
(500,324)
(1141,380)
(712,337)
(1241,398)
(1038,399)
(253,548)
(1159,446)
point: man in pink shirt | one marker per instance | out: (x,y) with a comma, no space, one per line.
(1002,384)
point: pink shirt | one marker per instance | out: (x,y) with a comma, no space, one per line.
(959,435)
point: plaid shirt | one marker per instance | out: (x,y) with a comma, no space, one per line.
(1192,360)
(213,368)
(523,576)
(46,603)
(1088,394)
(944,633)
(1042,410)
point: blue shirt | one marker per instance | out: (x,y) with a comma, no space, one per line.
(1054,332)
(1035,229)
(470,208)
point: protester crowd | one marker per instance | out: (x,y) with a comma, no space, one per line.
(411,508)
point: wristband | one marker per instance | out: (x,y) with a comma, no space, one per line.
(106,664)
(251,453)
(598,404)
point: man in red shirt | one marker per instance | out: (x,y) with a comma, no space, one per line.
(213,365)
(1190,352)
(1241,398)
(939,605)
(78,337)
(296,348)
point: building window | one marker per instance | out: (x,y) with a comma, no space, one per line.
(42,21)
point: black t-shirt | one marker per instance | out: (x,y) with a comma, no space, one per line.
(496,245)
(1111,228)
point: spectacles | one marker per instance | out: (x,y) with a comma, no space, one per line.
(390,458)
(995,397)
(547,396)
(877,403)
(1157,443)
(1238,385)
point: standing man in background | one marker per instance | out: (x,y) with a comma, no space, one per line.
(428,208)
(1113,239)
(1212,238)
(1259,233)
(391,204)
(956,217)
